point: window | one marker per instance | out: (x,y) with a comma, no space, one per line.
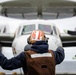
(28,28)
(45,28)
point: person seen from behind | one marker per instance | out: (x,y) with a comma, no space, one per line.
(37,59)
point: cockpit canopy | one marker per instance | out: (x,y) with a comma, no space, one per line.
(29,28)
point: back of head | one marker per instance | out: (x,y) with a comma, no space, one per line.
(36,35)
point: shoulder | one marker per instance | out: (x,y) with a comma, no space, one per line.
(21,55)
(27,47)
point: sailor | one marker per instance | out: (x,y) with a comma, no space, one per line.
(37,59)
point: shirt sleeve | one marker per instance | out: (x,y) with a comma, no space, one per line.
(13,63)
(59,55)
